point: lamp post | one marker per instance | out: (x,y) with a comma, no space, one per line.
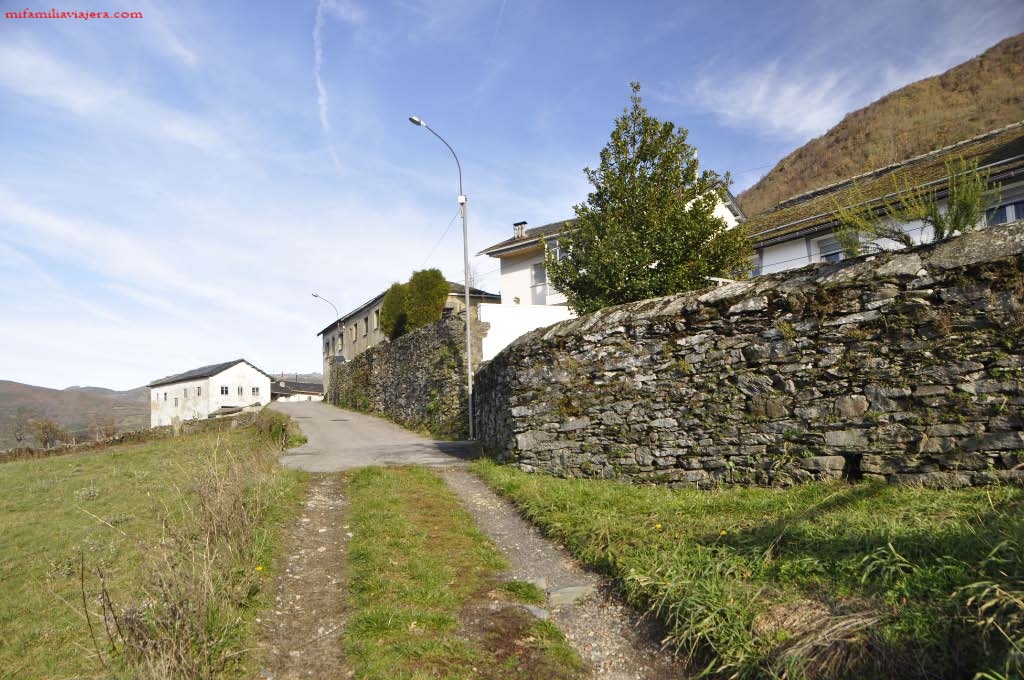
(465,258)
(337,316)
(320,297)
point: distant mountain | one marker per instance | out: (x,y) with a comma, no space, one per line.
(979,95)
(298,377)
(79,409)
(140,394)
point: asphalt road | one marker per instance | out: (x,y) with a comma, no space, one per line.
(343,440)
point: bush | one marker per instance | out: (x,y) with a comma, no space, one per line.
(394,312)
(427,293)
(274,426)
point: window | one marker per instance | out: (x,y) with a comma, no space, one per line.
(255,391)
(1008,212)
(184,393)
(829,250)
(327,347)
(199,391)
(352,330)
(223,389)
(240,391)
(175,401)
(376,319)
(366,326)
(538,274)
(165,396)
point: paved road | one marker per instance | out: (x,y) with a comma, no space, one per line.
(342,440)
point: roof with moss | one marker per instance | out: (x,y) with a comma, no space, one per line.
(1000,151)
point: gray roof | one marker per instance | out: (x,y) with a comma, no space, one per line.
(200,373)
(530,237)
(291,387)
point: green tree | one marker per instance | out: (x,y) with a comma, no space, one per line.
(427,293)
(647,228)
(863,221)
(394,312)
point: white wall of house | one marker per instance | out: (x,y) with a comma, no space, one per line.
(199,398)
(508,322)
(245,387)
(524,278)
(803,250)
(184,400)
(302,397)
(722,211)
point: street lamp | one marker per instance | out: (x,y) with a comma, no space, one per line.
(465,257)
(320,297)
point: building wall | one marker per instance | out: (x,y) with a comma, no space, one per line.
(517,282)
(238,376)
(185,401)
(904,366)
(802,250)
(505,323)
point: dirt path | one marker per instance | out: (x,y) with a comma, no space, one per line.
(299,636)
(607,634)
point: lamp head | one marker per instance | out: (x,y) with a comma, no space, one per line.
(417,121)
(315,295)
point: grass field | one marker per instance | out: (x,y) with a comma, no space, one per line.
(423,580)
(818,581)
(170,539)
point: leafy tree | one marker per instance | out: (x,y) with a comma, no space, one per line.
(394,313)
(862,221)
(427,293)
(48,432)
(647,228)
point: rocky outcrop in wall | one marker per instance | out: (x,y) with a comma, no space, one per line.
(906,366)
(418,380)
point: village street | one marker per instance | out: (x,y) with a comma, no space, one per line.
(345,440)
(301,635)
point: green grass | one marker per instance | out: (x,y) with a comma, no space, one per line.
(421,577)
(123,511)
(822,580)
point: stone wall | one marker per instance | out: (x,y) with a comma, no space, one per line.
(418,380)
(904,366)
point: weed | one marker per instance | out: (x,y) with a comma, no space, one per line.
(823,580)
(524,591)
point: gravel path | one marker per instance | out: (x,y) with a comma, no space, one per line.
(607,634)
(300,636)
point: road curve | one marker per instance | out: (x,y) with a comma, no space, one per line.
(343,440)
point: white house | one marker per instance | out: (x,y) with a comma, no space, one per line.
(528,301)
(801,230)
(207,392)
(291,390)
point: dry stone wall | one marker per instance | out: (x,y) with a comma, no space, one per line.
(905,366)
(417,380)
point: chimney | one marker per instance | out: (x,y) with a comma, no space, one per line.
(519,229)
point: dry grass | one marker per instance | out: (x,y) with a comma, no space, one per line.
(140,560)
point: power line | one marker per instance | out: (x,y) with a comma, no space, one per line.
(446,230)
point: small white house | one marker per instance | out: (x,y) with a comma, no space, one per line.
(207,392)
(528,300)
(801,230)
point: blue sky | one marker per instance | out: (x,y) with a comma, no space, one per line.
(174,188)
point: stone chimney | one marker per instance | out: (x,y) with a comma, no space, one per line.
(519,229)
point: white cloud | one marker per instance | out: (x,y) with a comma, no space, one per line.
(773,102)
(31,72)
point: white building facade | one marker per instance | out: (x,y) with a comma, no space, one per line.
(209,391)
(801,230)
